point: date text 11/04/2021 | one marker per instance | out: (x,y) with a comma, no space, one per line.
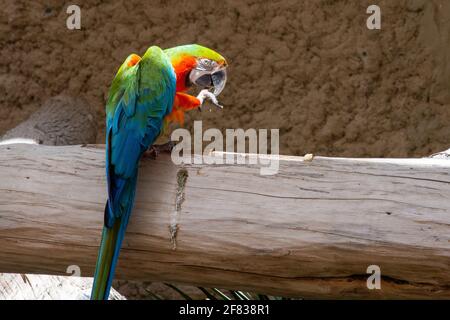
(227,309)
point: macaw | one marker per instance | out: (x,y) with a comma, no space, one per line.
(146,94)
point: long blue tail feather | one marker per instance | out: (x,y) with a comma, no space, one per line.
(112,237)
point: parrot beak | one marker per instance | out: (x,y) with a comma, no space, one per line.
(219,79)
(209,75)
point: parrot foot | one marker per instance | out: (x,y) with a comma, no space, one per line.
(154,151)
(207,95)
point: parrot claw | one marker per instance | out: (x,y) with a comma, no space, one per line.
(154,151)
(217,104)
(151,153)
(205,94)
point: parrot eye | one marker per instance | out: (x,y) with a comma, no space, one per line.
(206,65)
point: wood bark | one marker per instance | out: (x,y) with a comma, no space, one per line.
(62,120)
(310,231)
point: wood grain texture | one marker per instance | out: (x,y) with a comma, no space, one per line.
(310,231)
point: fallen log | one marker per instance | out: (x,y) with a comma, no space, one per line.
(61,120)
(310,231)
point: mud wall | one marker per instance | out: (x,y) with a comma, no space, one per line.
(310,68)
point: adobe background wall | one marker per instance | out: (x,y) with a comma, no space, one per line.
(310,68)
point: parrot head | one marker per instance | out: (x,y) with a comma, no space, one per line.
(199,66)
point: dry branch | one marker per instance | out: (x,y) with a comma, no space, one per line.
(309,231)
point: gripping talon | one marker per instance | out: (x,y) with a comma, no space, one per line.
(154,151)
(208,95)
(166,147)
(151,153)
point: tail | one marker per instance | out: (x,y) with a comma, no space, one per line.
(107,257)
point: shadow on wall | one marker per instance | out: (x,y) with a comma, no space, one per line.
(310,68)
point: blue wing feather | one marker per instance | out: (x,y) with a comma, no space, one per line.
(137,120)
(140,96)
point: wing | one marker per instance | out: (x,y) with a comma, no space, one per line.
(141,94)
